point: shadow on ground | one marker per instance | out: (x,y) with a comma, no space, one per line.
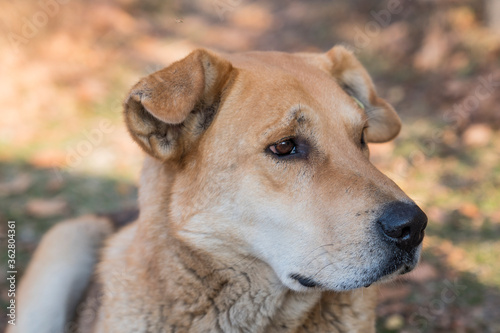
(38,198)
(438,298)
(437,62)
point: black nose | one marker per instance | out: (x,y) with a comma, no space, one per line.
(403,224)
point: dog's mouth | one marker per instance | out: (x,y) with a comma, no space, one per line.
(395,268)
(387,276)
(307,282)
(390,270)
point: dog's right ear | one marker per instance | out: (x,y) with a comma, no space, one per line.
(167,111)
(384,123)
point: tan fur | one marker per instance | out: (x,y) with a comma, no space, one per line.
(224,224)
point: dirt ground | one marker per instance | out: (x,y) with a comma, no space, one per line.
(66,66)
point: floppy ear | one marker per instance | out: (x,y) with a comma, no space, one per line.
(384,123)
(167,111)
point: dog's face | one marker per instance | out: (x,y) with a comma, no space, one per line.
(271,161)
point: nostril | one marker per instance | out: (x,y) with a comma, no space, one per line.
(403,224)
(405,232)
(396,232)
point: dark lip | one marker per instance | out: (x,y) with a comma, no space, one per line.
(407,269)
(309,282)
(305,281)
(403,262)
(377,277)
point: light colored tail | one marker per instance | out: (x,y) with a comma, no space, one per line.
(58,275)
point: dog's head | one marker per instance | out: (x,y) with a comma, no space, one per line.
(271,161)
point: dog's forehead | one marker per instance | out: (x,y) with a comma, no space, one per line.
(282,82)
(299,65)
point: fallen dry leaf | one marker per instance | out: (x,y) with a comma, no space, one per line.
(56,182)
(48,158)
(436,214)
(255,17)
(17,185)
(43,208)
(394,322)
(478,135)
(470,210)
(394,306)
(435,47)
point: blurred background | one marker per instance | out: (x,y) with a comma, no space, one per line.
(66,65)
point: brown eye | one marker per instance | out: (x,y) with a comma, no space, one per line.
(285,147)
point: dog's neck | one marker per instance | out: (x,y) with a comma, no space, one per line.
(240,294)
(245,296)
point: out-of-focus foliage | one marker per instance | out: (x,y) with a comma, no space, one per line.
(66,65)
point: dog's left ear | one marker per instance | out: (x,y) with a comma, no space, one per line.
(384,123)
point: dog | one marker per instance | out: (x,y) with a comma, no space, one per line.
(259,208)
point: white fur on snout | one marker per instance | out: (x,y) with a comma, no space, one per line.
(337,254)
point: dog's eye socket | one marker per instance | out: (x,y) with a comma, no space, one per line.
(362,140)
(285,147)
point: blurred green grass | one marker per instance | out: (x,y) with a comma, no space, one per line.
(80,194)
(76,71)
